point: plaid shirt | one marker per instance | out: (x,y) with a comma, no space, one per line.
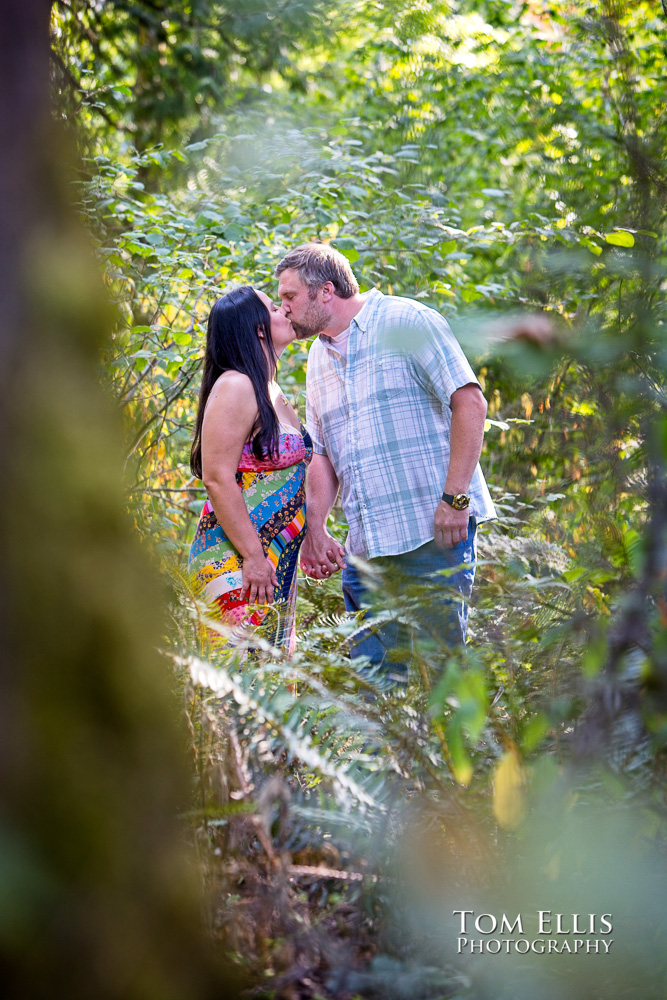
(382,417)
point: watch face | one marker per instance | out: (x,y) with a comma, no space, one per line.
(460,501)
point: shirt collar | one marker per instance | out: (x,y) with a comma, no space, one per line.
(363,317)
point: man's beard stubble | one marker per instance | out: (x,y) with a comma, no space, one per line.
(315,320)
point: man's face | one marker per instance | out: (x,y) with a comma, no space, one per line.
(303,305)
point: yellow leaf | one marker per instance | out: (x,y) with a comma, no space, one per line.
(509,805)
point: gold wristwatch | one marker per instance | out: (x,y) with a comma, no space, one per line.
(458,501)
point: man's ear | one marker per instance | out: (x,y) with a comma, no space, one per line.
(328,291)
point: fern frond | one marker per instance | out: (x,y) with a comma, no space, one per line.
(301,746)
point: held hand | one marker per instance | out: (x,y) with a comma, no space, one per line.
(451,526)
(321,555)
(259,580)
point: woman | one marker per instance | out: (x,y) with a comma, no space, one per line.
(251,451)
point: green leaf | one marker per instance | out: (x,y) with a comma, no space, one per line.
(590,245)
(594,656)
(205,217)
(620,238)
(534,732)
(139,248)
(234,232)
(182,338)
(346,246)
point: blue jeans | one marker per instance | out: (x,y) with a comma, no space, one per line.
(442,616)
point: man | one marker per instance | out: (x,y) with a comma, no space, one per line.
(397,416)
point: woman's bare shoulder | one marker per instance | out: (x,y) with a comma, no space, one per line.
(234,381)
(235,389)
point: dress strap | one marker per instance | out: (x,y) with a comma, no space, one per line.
(289,428)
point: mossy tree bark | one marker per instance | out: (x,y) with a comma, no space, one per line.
(97,897)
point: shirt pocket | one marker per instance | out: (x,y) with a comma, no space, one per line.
(391,379)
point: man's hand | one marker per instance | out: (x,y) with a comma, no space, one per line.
(451,526)
(321,555)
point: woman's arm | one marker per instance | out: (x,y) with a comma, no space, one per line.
(230,417)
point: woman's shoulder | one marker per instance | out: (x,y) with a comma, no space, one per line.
(233,390)
(234,386)
(233,381)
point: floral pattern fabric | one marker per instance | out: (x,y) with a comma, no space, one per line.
(275,496)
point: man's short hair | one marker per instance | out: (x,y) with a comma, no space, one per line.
(317,263)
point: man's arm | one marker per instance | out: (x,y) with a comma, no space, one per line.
(466,436)
(321,554)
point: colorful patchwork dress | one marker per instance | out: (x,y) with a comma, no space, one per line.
(275,495)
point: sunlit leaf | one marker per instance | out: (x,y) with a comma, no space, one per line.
(620,238)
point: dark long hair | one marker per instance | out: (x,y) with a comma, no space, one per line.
(232,344)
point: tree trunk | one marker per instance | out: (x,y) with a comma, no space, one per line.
(97,898)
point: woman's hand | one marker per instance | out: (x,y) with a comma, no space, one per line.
(321,555)
(259,580)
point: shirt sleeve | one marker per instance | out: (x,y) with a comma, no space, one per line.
(440,364)
(313,424)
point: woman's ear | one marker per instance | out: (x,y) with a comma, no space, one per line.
(260,333)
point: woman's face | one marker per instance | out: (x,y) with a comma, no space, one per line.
(282,332)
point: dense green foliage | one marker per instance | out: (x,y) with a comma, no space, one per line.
(494,160)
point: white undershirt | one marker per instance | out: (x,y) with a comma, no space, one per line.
(340,342)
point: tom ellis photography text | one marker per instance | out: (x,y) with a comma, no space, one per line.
(543,932)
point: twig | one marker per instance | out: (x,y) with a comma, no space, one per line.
(317,872)
(171,489)
(180,386)
(246,789)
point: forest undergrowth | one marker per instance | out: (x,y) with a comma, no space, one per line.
(505,164)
